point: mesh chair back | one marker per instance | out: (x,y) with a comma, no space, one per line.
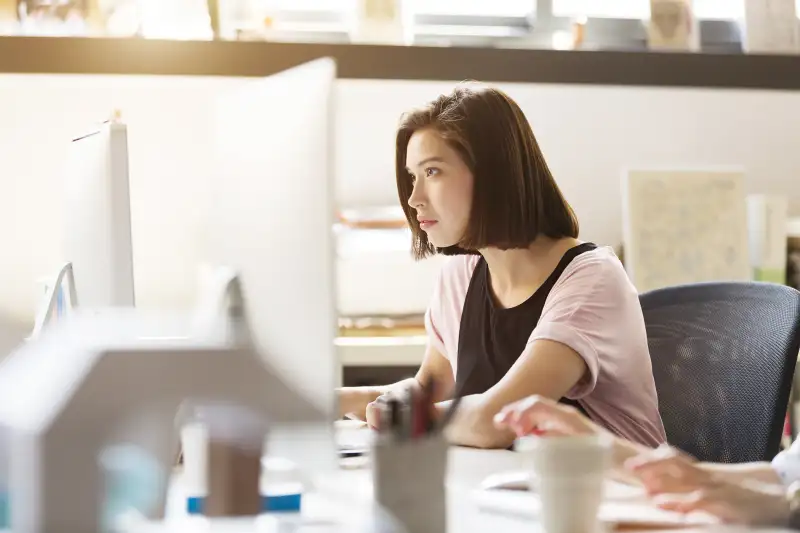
(724,356)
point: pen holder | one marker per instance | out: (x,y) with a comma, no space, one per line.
(409,481)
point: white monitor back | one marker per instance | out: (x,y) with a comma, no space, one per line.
(97,226)
(271,220)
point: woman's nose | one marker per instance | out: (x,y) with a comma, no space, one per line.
(417,198)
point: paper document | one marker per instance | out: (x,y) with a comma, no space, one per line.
(685,226)
(526,505)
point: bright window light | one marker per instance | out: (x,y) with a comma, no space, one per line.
(640,9)
(487,8)
(310,5)
(622,9)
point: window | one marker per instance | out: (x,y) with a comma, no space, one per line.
(640,9)
(469,22)
(725,9)
(291,20)
(620,9)
(477,8)
(719,9)
(309,5)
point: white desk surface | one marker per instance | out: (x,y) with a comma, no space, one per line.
(466,470)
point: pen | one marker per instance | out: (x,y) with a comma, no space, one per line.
(395,424)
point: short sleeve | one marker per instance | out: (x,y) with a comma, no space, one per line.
(588,310)
(787,463)
(433,317)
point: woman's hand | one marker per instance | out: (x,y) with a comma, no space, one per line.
(402,391)
(678,483)
(374,410)
(668,470)
(537,415)
(354,401)
(541,416)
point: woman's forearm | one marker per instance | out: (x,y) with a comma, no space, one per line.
(473,424)
(737,473)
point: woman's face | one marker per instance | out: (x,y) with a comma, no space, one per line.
(442,194)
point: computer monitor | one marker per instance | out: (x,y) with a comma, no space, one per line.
(96,232)
(97,219)
(58,297)
(271,220)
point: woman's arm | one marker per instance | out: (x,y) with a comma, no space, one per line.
(735,495)
(546,368)
(353,401)
(737,473)
(783,470)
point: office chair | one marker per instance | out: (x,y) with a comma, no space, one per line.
(724,356)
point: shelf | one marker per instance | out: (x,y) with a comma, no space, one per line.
(67,55)
(381,351)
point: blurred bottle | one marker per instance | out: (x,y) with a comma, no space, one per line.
(120,18)
(380,22)
(52,17)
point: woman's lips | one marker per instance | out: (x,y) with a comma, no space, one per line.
(427,224)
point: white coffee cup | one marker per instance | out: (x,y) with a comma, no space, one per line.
(570,474)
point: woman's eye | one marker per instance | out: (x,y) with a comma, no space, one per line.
(431,171)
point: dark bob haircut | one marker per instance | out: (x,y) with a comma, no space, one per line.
(515,198)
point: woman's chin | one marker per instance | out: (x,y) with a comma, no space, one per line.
(441,243)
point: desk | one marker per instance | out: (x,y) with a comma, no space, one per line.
(466,469)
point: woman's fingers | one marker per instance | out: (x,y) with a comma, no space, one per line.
(684,503)
(663,455)
(375,408)
(536,414)
(668,470)
(373,414)
(711,501)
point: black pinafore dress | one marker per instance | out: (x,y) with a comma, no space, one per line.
(492,338)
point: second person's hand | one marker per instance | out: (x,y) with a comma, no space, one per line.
(679,484)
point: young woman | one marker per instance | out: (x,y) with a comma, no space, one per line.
(523,307)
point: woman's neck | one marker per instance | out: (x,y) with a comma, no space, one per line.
(516,274)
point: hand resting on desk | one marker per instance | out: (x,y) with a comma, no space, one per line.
(678,483)
(673,479)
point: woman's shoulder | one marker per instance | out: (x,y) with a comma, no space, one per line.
(599,267)
(598,260)
(460,266)
(455,275)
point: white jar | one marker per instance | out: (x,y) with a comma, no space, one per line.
(380,22)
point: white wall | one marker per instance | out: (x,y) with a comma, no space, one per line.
(588,135)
